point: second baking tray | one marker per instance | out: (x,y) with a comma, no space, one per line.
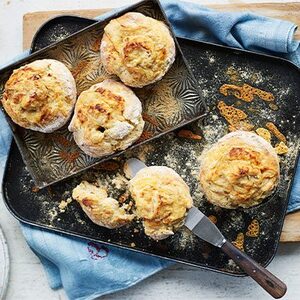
(256,230)
(173,101)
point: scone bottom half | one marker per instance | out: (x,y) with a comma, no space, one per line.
(101,209)
(40,95)
(240,170)
(107,119)
(161,201)
(137,48)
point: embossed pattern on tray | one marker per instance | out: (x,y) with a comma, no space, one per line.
(168,104)
(255,230)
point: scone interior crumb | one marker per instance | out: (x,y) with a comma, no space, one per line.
(101,209)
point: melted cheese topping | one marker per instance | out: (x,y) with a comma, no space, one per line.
(240,170)
(35,97)
(236,118)
(253,229)
(137,48)
(264,133)
(273,128)
(246,92)
(281,148)
(239,241)
(161,198)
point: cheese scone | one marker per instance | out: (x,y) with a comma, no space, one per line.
(161,198)
(101,209)
(138,49)
(240,170)
(107,118)
(40,96)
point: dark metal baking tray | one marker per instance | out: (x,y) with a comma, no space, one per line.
(210,64)
(53,157)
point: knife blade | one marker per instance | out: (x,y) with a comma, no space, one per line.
(204,228)
(132,166)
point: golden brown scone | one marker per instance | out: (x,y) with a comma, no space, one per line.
(162,199)
(107,118)
(40,96)
(138,49)
(102,210)
(240,170)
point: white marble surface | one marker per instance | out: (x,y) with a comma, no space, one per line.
(27,279)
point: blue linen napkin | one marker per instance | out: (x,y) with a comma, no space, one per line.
(87,270)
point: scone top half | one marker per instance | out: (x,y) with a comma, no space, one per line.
(107,118)
(161,198)
(240,170)
(138,49)
(40,96)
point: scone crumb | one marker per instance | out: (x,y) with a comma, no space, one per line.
(188,134)
(150,119)
(281,148)
(101,209)
(273,106)
(63,204)
(120,181)
(52,214)
(213,218)
(132,245)
(123,197)
(35,189)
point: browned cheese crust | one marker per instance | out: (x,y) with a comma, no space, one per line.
(40,96)
(240,170)
(138,49)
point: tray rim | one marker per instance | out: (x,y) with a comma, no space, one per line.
(31,48)
(41,184)
(137,250)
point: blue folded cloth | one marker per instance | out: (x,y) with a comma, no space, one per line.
(87,270)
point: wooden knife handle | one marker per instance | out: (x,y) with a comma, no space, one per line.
(274,286)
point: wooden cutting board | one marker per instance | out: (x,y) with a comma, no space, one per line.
(287,11)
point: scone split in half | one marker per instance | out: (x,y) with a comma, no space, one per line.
(138,49)
(101,209)
(40,96)
(240,170)
(161,198)
(107,118)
